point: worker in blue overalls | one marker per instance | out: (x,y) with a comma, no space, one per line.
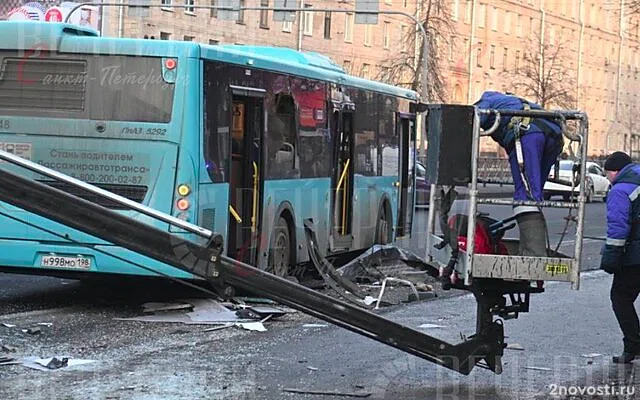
(533,146)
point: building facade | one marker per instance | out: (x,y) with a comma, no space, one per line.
(589,48)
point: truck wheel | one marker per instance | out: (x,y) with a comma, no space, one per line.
(279,262)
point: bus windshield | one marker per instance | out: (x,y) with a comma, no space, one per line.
(77,86)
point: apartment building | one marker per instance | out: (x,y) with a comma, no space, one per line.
(595,43)
(590,47)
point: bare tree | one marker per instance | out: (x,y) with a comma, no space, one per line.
(408,69)
(633,7)
(545,76)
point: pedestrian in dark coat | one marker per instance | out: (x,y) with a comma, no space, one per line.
(621,253)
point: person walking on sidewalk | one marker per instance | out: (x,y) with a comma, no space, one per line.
(621,253)
(533,145)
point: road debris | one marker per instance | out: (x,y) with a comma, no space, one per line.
(8,325)
(315,325)
(252,326)
(515,346)
(48,364)
(9,348)
(539,368)
(205,311)
(430,326)
(257,300)
(32,331)
(152,307)
(56,363)
(263,311)
(327,393)
(310,368)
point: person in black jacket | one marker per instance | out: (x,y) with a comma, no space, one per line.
(621,253)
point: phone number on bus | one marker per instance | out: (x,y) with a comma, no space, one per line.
(119,179)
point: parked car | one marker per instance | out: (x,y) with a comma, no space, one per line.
(422,186)
(597,183)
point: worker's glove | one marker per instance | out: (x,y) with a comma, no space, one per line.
(611,260)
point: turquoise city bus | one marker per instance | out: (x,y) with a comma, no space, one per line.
(245,141)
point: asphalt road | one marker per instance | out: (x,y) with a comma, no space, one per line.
(137,360)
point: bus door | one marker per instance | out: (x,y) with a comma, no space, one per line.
(342,180)
(245,182)
(406,131)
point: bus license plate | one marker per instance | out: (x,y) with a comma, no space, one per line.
(66,262)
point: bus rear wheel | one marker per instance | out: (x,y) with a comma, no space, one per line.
(280,249)
(383,233)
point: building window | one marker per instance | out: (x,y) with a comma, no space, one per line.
(166,3)
(386,31)
(403,35)
(519,25)
(479,55)
(327,25)
(307,23)
(264,15)
(348,27)
(189,10)
(189,38)
(213,13)
(532,26)
(492,57)
(367,35)
(454,10)
(552,35)
(481,15)
(507,22)
(213,41)
(505,58)
(516,64)
(165,36)
(346,65)
(287,26)
(467,12)
(452,48)
(466,50)
(240,19)
(494,19)
(364,73)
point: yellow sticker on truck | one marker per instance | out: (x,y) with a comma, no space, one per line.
(556,269)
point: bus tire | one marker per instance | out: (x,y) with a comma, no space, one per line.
(383,226)
(280,250)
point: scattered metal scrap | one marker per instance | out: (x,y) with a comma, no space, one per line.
(367,269)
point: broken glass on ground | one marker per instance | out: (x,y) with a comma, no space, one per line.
(48,364)
(202,311)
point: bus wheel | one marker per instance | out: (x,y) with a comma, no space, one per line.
(382,229)
(280,249)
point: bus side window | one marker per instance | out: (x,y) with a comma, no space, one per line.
(216,124)
(282,161)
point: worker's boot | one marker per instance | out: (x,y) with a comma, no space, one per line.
(533,234)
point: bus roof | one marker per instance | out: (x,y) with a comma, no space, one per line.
(32,35)
(306,64)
